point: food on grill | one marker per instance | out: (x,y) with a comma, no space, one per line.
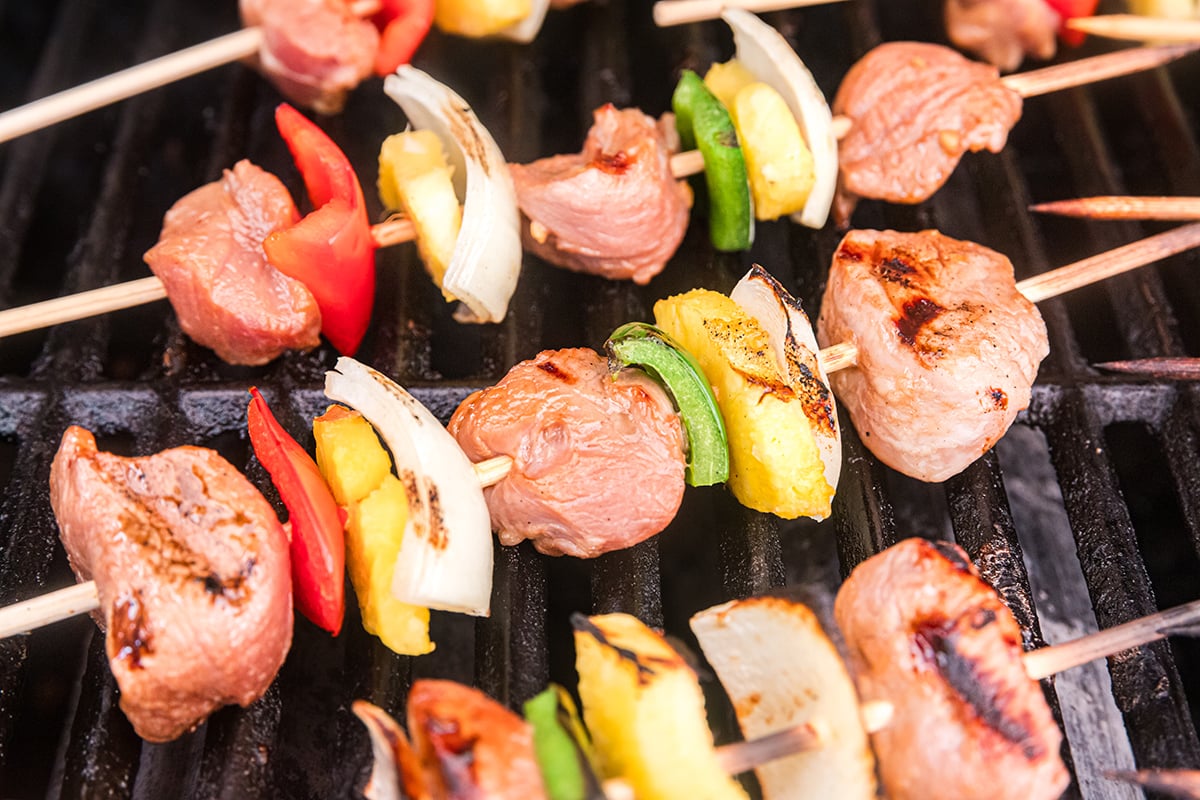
(486,260)
(925,633)
(598,464)
(947,347)
(225,293)
(1003,32)
(758,352)
(464,745)
(645,711)
(781,670)
(445,560)
(317,547)
(562,746)
(916,108)
(359,473)
(625,170)
(191,567)
(478,18)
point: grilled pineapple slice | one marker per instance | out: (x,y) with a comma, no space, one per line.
(779,164)
(645,710)
(775,464)
(414,177)
(359,472)
(476,18)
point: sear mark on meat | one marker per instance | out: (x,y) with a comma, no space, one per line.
(947,347)
(192,570)
(624,169)
(597,463)
(211,260)
(916,109)
(1003,32)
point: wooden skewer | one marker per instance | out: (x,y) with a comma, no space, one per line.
(1183,783)
(680,12)
(1133,27)
(1064,279)
(140,78)
(1178,369)
(1124,207)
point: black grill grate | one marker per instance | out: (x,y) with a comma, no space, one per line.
(1099,482)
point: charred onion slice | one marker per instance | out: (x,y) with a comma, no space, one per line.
(486,262)
(780,670)
(445,558)
(767,55)
(638,344)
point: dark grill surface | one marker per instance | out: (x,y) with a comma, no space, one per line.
(1086,514)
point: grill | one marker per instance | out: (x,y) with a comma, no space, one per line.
(1087,514)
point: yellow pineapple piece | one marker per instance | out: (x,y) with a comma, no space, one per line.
(476,18)
(415,178)
(645,711)
(374,531)
(727,79)
(774,462)
(349,454)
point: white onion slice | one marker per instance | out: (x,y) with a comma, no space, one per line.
(486,263)
(766,54)
(527,29)
(445,560)
(795,345)
(780,670)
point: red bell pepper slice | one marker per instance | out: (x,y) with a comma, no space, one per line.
(1070,9)
(318,543)
(403,25)
(330,250)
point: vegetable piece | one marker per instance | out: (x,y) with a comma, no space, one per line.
(414,176)
(638,344)
(330,250)
(775,464)
(470,745)
(704,124)
(403,25)
(349,455)
(780,670)
(645,710)
(486,263)
(769,57)
(1070,9)
(445,559)
(396,773)
(479,18)
(317,546)
(562,747)
(527,29)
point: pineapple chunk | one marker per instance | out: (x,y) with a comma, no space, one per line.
(774,462)
(349,454)
(359,472)
(414,177)
(645,710)
(476,18)
(374,531)
(778,162)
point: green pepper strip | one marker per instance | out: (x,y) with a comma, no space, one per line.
(704,124)
(561,746)
(639,344)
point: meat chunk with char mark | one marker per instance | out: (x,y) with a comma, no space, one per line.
(948,349)
(1003,32)
(191,566)
(916,108)
(928,635)
(314,51)
(598,463)
(226,294)
(613,210)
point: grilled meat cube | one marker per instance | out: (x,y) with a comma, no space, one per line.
(947,347)
(211,260)
(926,634)
(625,172)
(314,51)
(192,571)
(916,109)
(598,464)
(1003,32)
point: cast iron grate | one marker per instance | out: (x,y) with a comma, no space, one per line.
(1098,483)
